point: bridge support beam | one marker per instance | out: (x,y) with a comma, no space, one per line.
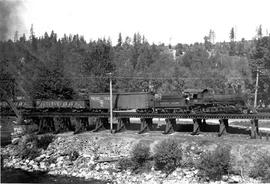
(223,126)
(203,125)
(196,126)
(122,124)
(100,124)
(57,124)
(170,126)
(146,125)
(75,121)
(254,133)
(80,125)
(41,122)
(45,125)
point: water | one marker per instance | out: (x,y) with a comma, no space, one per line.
(9,175)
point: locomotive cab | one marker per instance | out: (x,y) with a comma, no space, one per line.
(195,95)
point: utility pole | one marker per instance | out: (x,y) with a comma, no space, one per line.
(256,89)
(111,110)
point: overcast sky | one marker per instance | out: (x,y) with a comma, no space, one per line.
(167,21)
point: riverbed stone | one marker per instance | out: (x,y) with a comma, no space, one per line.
(31,162)
(90,148)
(52,166)
(43,166)
(35,167)
(234,179)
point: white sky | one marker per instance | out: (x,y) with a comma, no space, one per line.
(168,21)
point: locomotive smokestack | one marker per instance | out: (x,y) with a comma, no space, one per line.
(10,19)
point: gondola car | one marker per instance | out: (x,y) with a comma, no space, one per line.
(140,101)
(78,105)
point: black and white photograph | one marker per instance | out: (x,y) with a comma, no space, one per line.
(135,91)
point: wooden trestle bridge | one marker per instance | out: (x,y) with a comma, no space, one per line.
(123,117)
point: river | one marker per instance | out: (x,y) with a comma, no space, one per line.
(9,175)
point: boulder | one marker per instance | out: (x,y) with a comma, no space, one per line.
(234,179)
(43,166)
(15,140)
(35,167)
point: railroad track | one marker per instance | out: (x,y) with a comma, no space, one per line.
(142,115)
(195,116)
(147,119)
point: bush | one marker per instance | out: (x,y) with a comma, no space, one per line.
(125,164)
(29,138)
(139,161)
(44,141)
(73,155)
(140,153)
(215,163)
(27,147)
(30,153)
(262,168)
(168,155)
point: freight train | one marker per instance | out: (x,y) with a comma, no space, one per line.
(191,101)
(61,115)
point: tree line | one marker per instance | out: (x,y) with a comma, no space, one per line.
(50,67)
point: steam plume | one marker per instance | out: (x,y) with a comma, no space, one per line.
(10,19)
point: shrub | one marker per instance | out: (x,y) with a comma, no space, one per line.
(139,161)
(73,155)
(125,164)
(262,168)
(27,147)
(30,153)
(29,138)
(140,153)
(168,155)
(214,164)
(44,141)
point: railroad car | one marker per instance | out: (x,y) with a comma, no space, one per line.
(141,101)
(171,104)
(62,105)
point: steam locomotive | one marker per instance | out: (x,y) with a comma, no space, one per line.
(191,101)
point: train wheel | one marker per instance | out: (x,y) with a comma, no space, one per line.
(245,111)
(149,110)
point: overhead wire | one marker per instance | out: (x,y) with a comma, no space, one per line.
(150,78)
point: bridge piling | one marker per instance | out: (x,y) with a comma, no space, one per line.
(254,132)
(223,127)
(170,125)
(122,124)
(196,126)
(146,125)
(100,124)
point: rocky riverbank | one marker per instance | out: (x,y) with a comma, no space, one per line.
(95,155)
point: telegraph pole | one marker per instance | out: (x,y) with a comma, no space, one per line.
(256,89)
(111,110)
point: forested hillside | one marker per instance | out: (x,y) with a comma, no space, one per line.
(59,68)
